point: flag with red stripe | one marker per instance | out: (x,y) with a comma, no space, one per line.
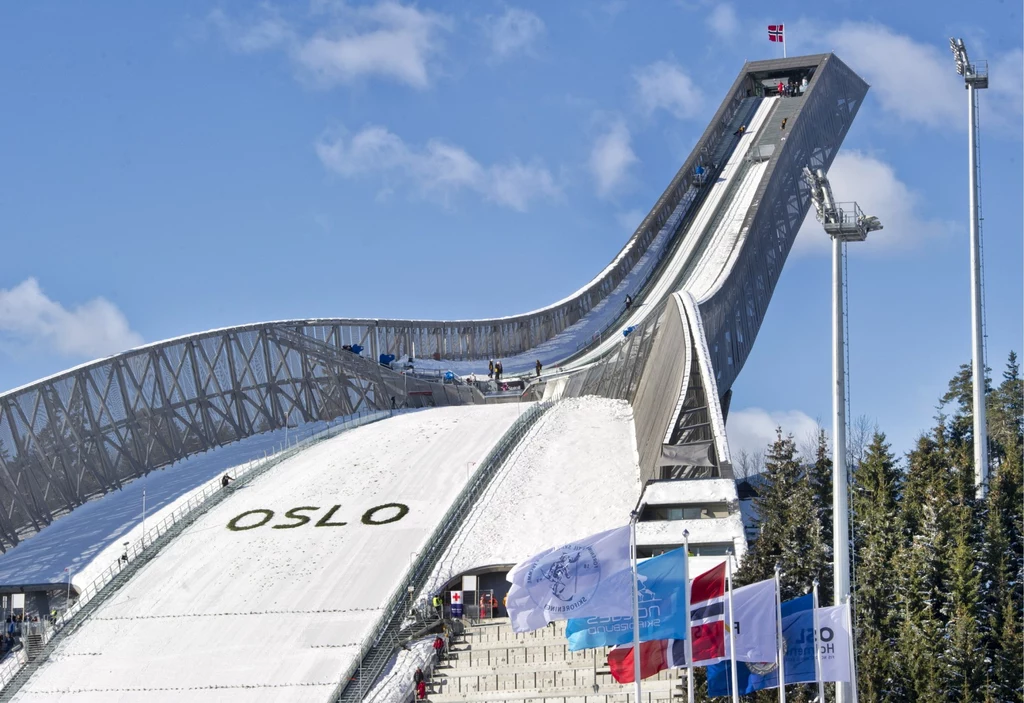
(707,628)
(775,33)
(655,656)
(707,616)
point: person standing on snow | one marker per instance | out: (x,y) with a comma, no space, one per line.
(539,367)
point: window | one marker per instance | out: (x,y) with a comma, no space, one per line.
(694,511)
(714,549)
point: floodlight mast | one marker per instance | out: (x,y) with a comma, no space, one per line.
(975,77)
(843,222)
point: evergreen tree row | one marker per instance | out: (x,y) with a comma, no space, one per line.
(937,573)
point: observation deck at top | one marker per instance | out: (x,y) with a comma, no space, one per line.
(713,244)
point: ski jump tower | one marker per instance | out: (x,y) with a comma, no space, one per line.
(704,263)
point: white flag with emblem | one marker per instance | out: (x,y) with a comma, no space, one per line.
(572,581)
(753,617)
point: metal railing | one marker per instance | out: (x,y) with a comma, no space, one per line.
(287,448)
(384,635)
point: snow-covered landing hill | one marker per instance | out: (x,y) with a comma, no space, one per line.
(273,609)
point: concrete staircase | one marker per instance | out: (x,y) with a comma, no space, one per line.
(489,662)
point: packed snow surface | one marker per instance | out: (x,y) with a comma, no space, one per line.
(276,613)
(576,473)
(89,538)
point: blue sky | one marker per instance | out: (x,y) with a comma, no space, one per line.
(169,168)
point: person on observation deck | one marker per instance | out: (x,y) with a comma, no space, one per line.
(225,480)
(539,367)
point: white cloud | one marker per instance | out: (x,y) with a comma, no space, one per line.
(914,81)
(611,158)
(665,85)
(94,329)
(1007,99)
(873,184)
(925,89)
(752,430)
(723,21)
(268,31)
(438,170)
(385,40)
(513,32)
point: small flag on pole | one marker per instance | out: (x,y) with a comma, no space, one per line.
(775,33)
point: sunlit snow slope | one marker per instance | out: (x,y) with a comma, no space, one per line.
(575,474)
(274,613)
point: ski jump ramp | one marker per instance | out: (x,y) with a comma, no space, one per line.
(700,268)
(88,430)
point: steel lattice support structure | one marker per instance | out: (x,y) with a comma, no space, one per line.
(88,430)
(734,313)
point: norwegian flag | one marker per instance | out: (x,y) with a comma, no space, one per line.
(707,616)
(775,33)
(707,629)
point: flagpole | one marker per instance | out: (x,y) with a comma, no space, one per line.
(817,647)
(689,630)
(781,639)
(636,604)
(853,651)
(732,641)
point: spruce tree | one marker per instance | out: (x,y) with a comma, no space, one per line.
(876,488)
(964,651)
(819,474)
(1002,559)
(790,531)
(919,600)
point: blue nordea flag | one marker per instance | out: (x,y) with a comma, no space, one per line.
(798,631)
(662,608)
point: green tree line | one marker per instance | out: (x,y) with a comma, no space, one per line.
(937,573)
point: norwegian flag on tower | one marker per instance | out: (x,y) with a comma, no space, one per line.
(775,33)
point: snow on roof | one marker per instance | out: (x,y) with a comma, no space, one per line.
(711,531)
(576,474)
(712,490)
(270,614)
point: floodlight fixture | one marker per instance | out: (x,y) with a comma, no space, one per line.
(959,55)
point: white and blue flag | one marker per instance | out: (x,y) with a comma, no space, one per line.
(574,580)
(662,608)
